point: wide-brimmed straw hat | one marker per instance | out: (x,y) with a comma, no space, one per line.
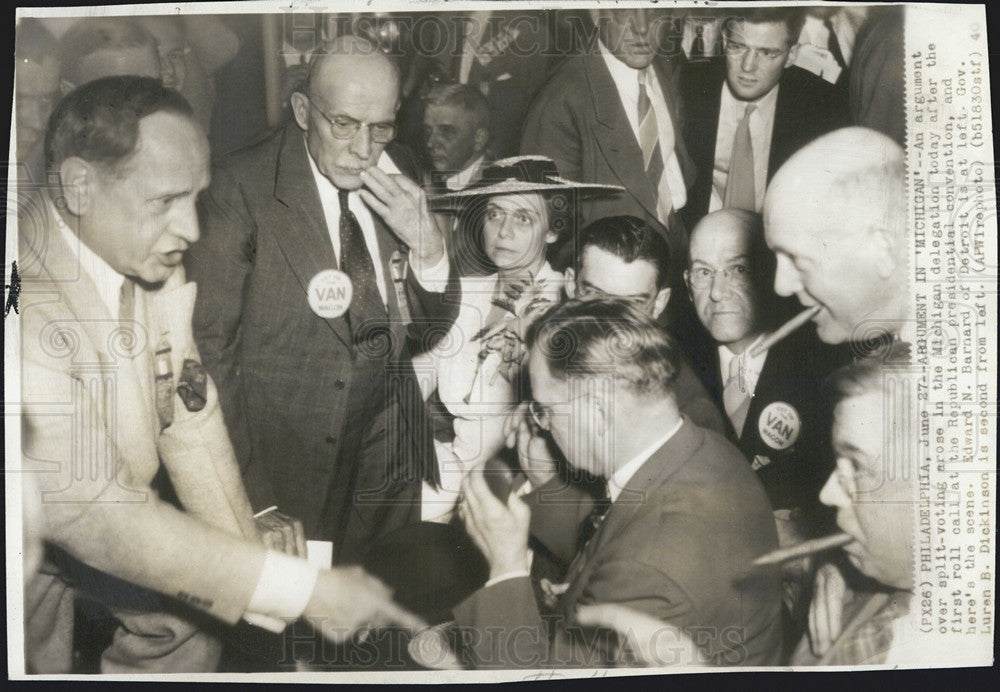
(523,174)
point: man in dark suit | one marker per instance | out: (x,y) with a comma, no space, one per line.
(613,115)
(747,112)
(307,286)
(682,520)
(772,403)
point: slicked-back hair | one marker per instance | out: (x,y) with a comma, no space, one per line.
(794,18)
(628,238)
(607,338)
(92,34)
(99,121)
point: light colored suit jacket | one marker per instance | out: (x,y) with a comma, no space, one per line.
(92,440)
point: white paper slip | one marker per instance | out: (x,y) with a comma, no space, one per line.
(319,553)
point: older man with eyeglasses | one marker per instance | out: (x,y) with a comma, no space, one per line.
(749,110)
(318,262)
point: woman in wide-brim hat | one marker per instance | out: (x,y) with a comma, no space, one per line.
(522,206)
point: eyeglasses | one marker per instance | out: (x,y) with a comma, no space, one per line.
(540,414)
(738,275)
(344,127)
(737,49)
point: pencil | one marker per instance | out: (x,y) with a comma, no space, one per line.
(785,329)
(802,549)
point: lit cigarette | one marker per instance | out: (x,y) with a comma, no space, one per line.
(785,329)
(817,545)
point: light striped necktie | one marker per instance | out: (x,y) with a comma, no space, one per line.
(736,395)
(741,191)
(649,136)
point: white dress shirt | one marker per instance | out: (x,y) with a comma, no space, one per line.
(464,177)
(731,111)
(431,278)
(626,81)
(621,477)
(107,281)
(751,368)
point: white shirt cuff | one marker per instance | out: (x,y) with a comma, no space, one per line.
(506,576)
(433,279)
(283,590)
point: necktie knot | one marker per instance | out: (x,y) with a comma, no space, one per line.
(749,111)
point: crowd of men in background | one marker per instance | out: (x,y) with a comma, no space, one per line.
(227,339)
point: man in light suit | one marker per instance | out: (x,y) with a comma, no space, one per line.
(319,395)
(748,111)
(683,519)
(613,115)
(113,393)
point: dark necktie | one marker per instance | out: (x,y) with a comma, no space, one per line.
(602,503)
(366,314)
(698,44)
(126,313)
(834,45)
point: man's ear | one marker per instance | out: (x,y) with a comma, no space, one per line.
(300,109)
(600,414)
(660,304)
(570,285)
(481,139)
(793,53)
(883,251)
(78,178)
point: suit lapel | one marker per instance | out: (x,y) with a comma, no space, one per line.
(621,150)
(670,90)
(303,235)
(131,419)
(639,490)
(784,124)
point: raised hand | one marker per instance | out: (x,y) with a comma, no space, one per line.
(403,206)
(499,529)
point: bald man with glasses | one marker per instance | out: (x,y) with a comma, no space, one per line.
(318,262)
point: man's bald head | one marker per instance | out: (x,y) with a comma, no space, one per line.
(352,91)
(835,216)
(346,56)
(729,275)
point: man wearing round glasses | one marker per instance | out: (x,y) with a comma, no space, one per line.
(317,257)
(750,109)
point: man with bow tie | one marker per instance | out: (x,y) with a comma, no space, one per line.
(683,516)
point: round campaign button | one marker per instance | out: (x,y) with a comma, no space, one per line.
(779,425)
(330,293)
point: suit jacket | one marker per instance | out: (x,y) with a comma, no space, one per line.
(93,441)
(286,375)
(579,122)
(807,107)
(790,455)
(677,545)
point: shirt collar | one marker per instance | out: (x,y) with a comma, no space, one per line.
(622,75)
(752,367)
(461,180)
(621,477)
(765,104)
(107,281)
